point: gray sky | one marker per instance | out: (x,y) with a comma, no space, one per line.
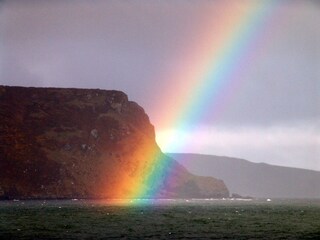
(136,47)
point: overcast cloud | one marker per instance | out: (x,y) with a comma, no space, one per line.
(131,45)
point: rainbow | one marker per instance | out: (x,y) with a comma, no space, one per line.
(231,40)
(219,71)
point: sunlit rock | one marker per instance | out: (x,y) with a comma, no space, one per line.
(86,143)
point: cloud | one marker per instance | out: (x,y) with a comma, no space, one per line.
(297,145)
(14,73)
(137,47)
(107,44)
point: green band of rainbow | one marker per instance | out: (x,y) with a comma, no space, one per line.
(213,80)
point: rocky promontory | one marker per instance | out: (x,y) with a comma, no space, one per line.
(85,143)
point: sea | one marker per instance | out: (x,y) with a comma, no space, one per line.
(160,219)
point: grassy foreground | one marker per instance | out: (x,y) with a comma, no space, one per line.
(166,220)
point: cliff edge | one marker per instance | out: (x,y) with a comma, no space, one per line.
(85,143)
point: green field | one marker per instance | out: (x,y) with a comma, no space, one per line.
(181,219)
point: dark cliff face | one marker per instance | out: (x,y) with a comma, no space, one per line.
(67,143)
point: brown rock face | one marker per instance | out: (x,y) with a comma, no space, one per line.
(85,143)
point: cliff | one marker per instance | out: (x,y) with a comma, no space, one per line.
(254,179)
(84,143)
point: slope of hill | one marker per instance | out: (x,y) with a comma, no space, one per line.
(254,179)
(85,143)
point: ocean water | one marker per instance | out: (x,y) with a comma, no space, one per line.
(160,219)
